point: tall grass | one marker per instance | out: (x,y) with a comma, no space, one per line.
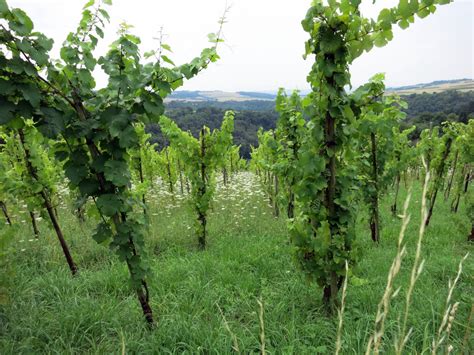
(375,341)
(207,301)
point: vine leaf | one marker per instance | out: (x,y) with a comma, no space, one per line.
(117,172)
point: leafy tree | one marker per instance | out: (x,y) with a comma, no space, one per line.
(167,167)
(289,132)
(403,157)
(235,161)
(97,126)
(324,230)
(201,158)
(465,143)
(7,235)
(379,115)
(144,162)
(265,159)
(439,165)
(29,173)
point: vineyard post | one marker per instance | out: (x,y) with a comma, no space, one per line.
(48,205)
(405,178)
(142,180)
(374,219)
(451,177)
(168,170)
(181,177)
(3,206)
(270,184)
(397,188)
(202,190)
(33,223)
(224,175)
(467,179)
(276,208)
(438,178)
(275,200)
(188,188)
(455,203)
(470,213)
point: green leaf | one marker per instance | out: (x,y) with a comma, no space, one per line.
(3,7)
(128,138)
(153,109)
(423,13)
(212,37)
(45,42)
(89,187)
(36,187)
(61,155)
(403,8)
(69,55)
(404,24)
(53,122)
(6,87)
(105,14)
(99,31)
(367,44)
(31,94)
(345,6)
(388,34)
(19,66)
(149,54)
(385,16)
(98,163)
(6,111)
(102,233)
(117,172)
(166,47)
(89,4)
(21,23)
(117,121)
(85,78)
(109,204)
(75,172)
(89,61)
(379,40)
(358,281)
(167,60)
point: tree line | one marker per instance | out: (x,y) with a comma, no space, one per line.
(423,111)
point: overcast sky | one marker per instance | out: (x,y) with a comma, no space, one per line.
(264,41)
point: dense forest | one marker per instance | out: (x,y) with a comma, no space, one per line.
(247,123)
(423,110)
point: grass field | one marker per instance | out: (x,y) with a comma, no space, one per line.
(205,299)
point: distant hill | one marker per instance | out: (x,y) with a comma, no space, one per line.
(424,110)
(219,96)
(434,87)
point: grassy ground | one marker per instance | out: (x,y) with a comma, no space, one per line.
(201,297)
